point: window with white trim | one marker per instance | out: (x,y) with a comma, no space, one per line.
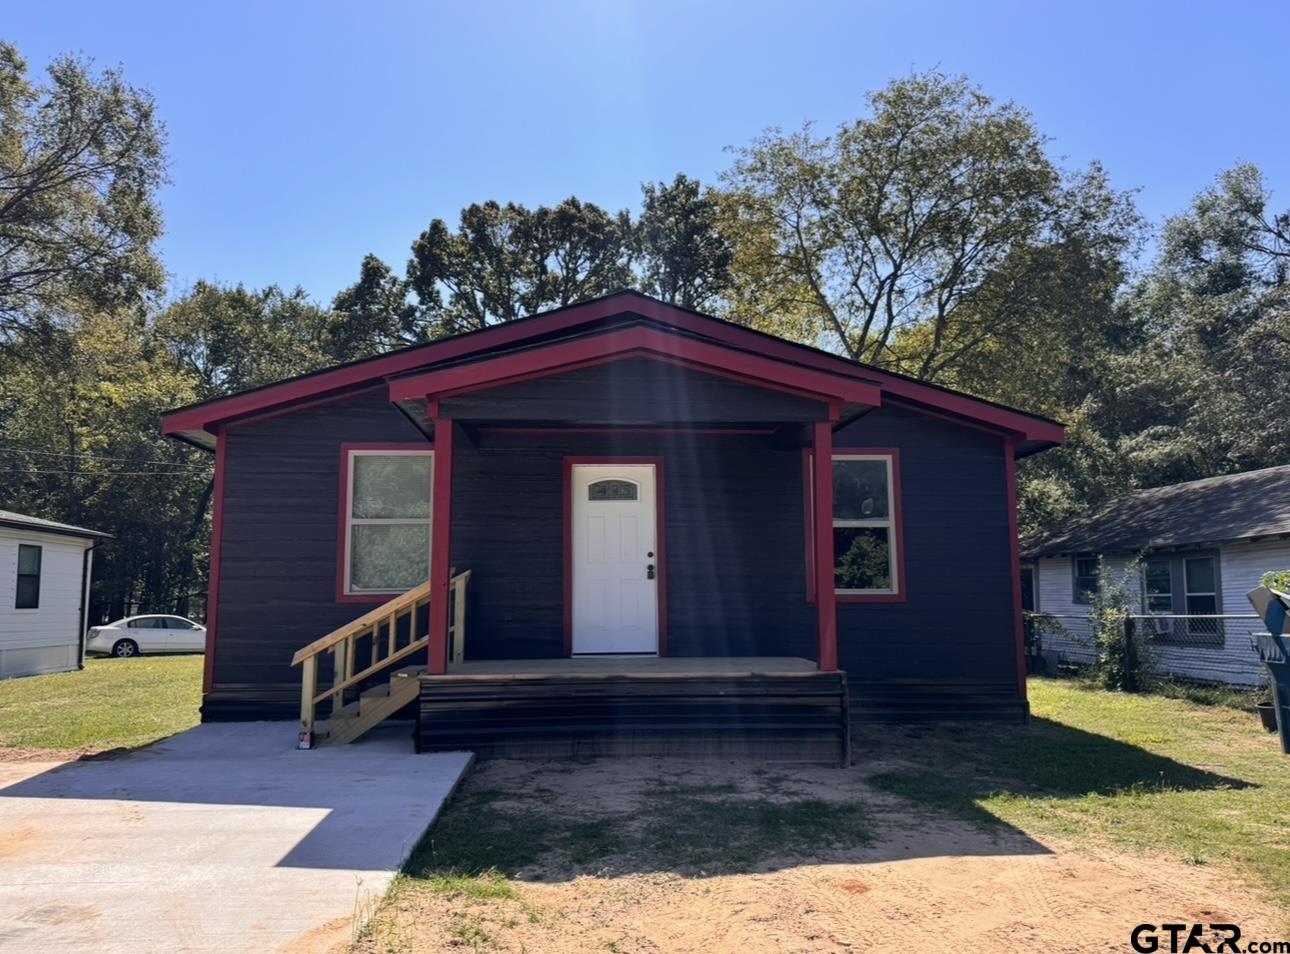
(27,590)
(864,525)
(387,520)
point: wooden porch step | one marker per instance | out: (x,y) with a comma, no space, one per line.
(372,708)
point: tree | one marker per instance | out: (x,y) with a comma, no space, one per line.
(1190,385)
(373,315)
(505,262)
(80,161)
(231,338)
(79,442)
(910,237)
(684,257)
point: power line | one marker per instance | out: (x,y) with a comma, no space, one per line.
(12,449)
(106,473)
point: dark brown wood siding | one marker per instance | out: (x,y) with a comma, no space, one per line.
(735,569)
(634,391)
(957,620)
(281,507)
(735,563)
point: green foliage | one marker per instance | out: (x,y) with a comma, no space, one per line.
(685,258)
(920,232)
(81,158)
(1123,654)
(507,261)
(1278,580)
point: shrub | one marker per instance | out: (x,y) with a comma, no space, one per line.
(1122,651)
(1277,580)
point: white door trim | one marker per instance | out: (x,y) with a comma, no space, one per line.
(614,604)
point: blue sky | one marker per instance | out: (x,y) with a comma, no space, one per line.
(303,135)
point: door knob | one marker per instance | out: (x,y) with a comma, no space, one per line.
(649,572)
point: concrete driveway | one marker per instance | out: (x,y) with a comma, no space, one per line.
(223,838)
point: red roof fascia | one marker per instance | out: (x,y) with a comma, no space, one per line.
(204,416)
(562,356)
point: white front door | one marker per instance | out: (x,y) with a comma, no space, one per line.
(615,558)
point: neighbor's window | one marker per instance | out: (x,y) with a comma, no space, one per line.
(1158,585)
(864,524)
(28,590)
(1200,577)
(1086,583)
(387,526)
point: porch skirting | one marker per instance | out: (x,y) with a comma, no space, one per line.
(764,708)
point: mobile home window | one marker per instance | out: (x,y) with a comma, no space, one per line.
(865,560)
(1200,577)
(27,595)
(1086,584)
(387,520)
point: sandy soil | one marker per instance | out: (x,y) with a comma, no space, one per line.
(917,885)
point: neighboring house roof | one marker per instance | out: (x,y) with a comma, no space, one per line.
(1254,505)
(598,320)
(21,521)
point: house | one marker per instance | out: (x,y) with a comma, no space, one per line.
(44,588)
(619,517)
(1203,545)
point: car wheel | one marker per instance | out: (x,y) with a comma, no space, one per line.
(124,648)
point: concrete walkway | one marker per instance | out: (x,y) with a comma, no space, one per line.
(223,838)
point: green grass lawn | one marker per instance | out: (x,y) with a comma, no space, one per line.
(112,703)
(1204,784)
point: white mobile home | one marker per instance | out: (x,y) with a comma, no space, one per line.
(44,583)
(1203,545)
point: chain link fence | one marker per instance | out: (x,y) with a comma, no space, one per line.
(1200,648)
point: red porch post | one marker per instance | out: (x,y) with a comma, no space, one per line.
(825,599)
(440,547)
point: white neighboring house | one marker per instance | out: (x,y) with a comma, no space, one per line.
(44,588)
(1204,544)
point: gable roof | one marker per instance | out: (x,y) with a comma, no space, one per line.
(1254,505)
(198,423)
(21,521)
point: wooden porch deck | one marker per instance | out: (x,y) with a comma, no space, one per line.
(595,666)
(758,707)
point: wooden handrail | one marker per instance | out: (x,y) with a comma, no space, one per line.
(384,649)
(379,615)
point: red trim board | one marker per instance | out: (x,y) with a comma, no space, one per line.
(440,547)
(620,344)
(825,603)
(342,517)
(216,555)
(660,534)
(898,526)
(203,417)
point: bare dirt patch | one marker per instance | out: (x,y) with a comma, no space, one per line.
(649,855)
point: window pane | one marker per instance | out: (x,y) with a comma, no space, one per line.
(28,595)
(612,490)
(860,490)
(28,559)
(389,556)
(1202,605)
(1158,578)
(396,485)
(1157,603)
(861,558)
(1200,575)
